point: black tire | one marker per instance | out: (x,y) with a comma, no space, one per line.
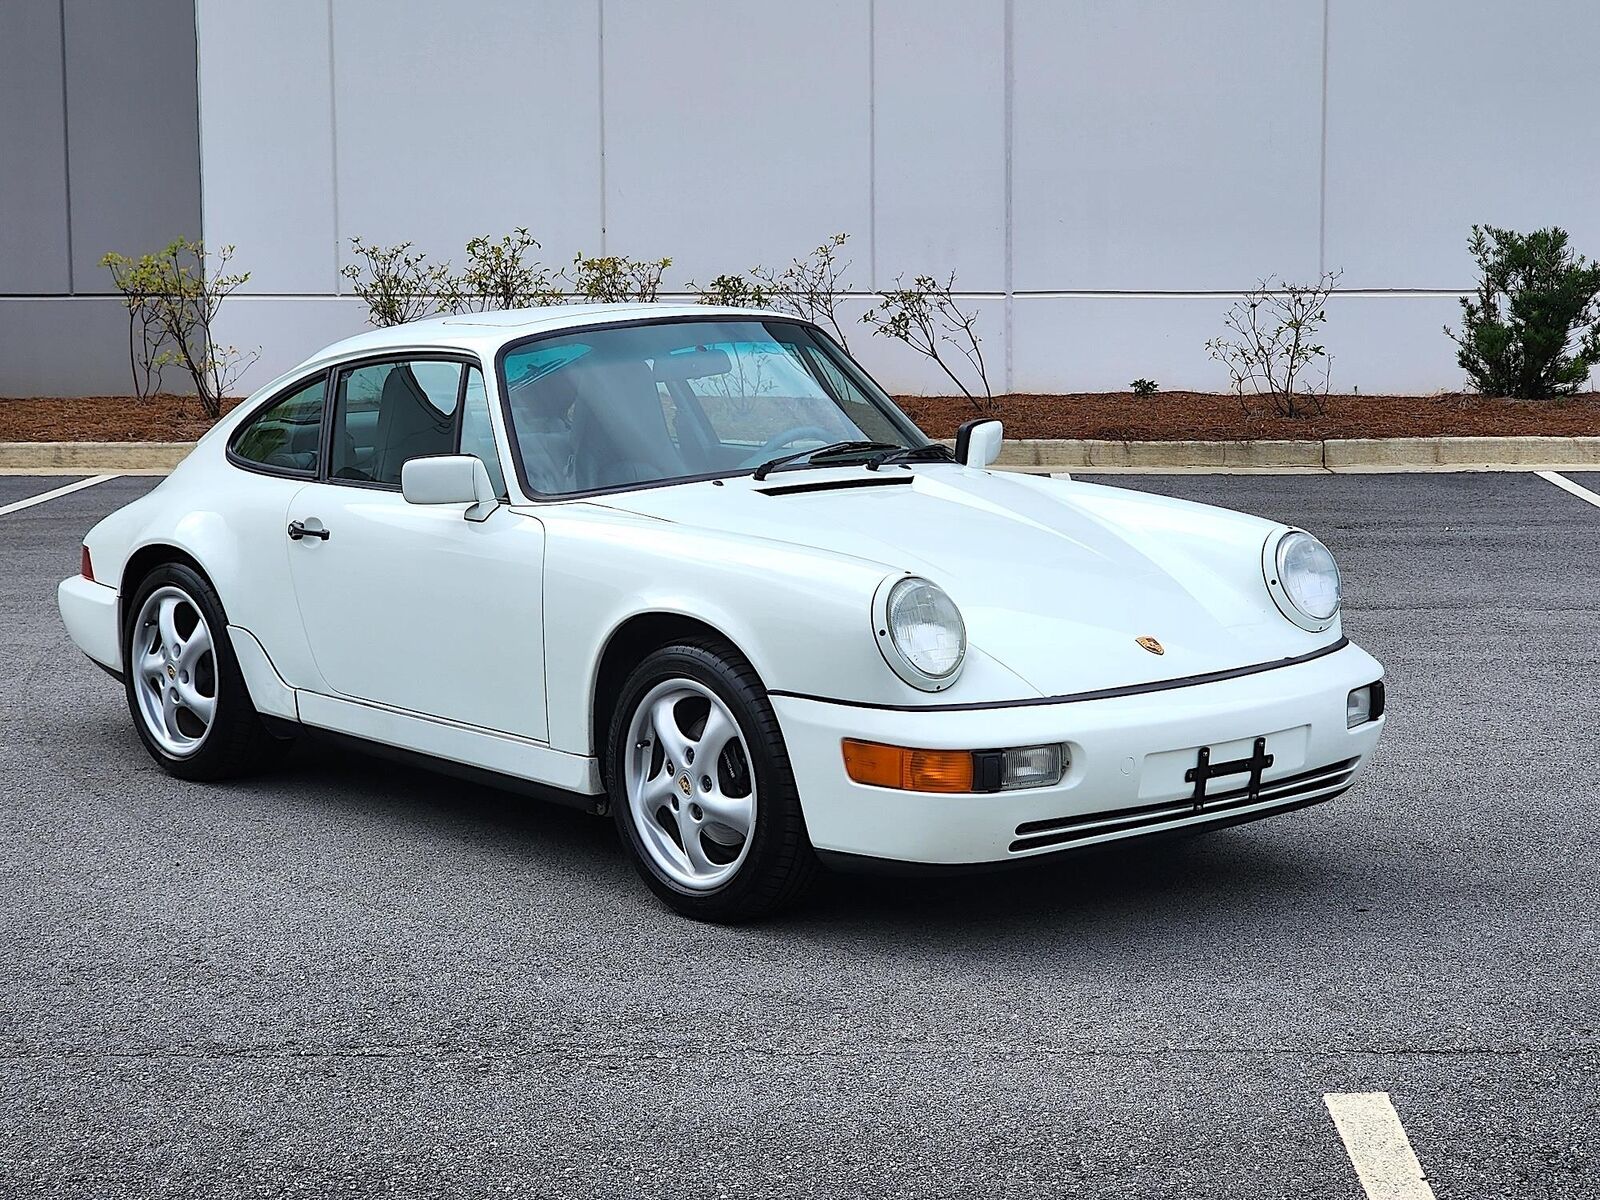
(780,863)
(237,742)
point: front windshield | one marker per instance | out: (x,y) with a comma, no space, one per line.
(652,403)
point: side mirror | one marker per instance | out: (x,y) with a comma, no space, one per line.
(978,442)
(449,479)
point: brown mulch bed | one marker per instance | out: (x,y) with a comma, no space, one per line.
(1200,416)
(1117,416)
(103,419)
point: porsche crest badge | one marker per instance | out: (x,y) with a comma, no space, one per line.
(1150,644)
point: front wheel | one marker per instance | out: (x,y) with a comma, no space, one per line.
(701,787)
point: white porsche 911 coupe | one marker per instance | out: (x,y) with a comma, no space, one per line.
(693,566)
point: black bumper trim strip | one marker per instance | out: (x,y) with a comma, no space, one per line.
(1189,819)
(1113,693)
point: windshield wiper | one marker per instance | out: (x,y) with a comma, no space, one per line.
(932,452)
(831,450)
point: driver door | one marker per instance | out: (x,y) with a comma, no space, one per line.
(413,607)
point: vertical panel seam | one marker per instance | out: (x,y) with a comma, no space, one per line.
(199,133)
(333,144)
(1322,166)
(66,146)
(872,144)
(600,68)
(1010,108)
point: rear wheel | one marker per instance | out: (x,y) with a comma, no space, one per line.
(701,788)
(185,691)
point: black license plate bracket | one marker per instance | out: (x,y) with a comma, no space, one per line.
(1204,770)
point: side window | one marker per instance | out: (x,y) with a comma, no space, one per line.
(387,413)
(287,434)
(477,434)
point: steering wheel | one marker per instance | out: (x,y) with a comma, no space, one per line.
(788,437)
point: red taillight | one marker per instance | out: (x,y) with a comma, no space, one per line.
(86,568)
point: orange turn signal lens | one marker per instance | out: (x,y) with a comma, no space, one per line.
(907,769)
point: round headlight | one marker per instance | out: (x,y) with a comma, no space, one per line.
(1301,572)
(920,632)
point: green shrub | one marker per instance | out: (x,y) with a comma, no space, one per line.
(733,291)
(616,279)
(500,275)
(1145,387)
(173,298)
(398,284)
(1532,328)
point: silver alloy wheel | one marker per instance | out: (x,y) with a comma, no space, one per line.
(691,786)
(174,665)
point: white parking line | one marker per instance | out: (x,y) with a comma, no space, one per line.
(1378,1146)
(19,505)
(1566,485)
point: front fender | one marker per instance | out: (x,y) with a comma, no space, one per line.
(803,618)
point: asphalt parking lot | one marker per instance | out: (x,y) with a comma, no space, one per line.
(348,977)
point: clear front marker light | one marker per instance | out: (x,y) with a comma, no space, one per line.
(1030,766)
(1358,708)
(1364,704)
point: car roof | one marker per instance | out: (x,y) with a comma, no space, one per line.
(485,332)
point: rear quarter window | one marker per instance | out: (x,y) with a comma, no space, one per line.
(287,434)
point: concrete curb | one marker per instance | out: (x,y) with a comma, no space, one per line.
(92,458)
(1341,454)
(1023,454)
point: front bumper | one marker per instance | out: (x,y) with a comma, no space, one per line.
(1129,756)
(89,611)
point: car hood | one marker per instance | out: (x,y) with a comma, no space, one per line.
(1055,579)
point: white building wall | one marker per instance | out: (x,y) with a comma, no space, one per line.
(1103,176)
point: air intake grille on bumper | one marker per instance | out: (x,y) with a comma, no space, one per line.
(1324,783)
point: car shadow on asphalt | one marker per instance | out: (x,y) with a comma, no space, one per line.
(1226,876)
(1218,877)
(436,800)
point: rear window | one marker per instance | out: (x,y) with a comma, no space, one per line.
(287,434)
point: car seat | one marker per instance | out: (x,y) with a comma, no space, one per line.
(619,431)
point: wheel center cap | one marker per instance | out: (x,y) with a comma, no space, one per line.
(685,786)
(172,671)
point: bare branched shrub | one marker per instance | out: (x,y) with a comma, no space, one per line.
(927,317)
(615,278)
(1272,349)
(809,287)
(399,285)
(146,339)
(499,275)
(733,291)
(181,290)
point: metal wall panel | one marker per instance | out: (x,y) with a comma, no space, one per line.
(1442,114)
(460,120)
(33,150)
(1165,147)
(737,131)
(133,141)
(939,171)
(1123,167)
(266,126)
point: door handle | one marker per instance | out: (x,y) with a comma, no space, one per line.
(298,530)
